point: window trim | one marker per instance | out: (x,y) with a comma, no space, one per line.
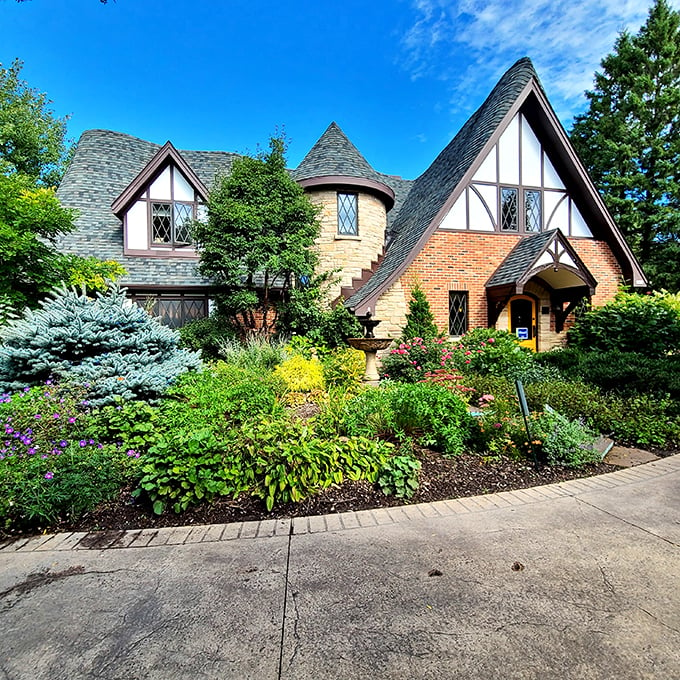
(466,322)
(355,232)
(173,244)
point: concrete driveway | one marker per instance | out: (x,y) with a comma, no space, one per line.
(574,580)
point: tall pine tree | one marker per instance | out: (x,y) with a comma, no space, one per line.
(629,140)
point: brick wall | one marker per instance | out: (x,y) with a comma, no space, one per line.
(465,261)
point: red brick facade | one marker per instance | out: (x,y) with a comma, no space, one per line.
(464,261)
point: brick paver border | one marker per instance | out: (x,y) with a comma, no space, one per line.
(140,538)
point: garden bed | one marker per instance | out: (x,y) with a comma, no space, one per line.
(440,479)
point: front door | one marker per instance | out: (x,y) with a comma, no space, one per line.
(522,320)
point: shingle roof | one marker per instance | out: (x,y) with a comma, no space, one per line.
(431,190)
(334,154)
(104,164)
(521,257)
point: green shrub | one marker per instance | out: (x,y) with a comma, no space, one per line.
(646,324)
(419,318)
(187,467)
(107,345)
(218,397)
(344,367)
(410,361)
(399,476)
(563,442)
(207,336)
(260,355)
(290,462)
(640,420)
(49,467)
(334,327)
(431,415)
(487,351)
(300,374)
(129,424)
(573,399)
(38,490)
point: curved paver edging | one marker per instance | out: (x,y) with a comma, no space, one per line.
(140,538)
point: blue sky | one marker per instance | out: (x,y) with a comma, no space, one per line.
(399,76)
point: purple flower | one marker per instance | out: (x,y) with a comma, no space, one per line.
(49,475)
(37,416)
(56,415)
(131,452)
(82,443)
(63,444)
(71,420)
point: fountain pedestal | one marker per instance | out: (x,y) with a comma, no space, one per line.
(370,347)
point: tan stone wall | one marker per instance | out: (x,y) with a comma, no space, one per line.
(350,254)
(391,310)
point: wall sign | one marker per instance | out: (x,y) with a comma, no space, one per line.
(522,333)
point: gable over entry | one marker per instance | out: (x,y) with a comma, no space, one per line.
(549,259)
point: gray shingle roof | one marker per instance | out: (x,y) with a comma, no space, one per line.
(521,257)
(334,154)
(104,164)
(431,190)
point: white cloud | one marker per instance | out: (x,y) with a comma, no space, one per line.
(472,42)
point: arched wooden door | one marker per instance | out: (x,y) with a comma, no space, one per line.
(522,320)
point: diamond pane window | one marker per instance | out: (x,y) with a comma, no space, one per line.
(348,224)
(509,209)
(174,310)
(170,223)
(532,210)
(161,223)
(183,216)
(458,312)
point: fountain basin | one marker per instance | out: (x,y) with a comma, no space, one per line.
(369,346)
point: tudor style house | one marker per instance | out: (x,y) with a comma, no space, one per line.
(504,229)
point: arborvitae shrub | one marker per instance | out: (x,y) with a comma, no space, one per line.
(111,347)
(419,319)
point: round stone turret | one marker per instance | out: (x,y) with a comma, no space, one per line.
(354,203)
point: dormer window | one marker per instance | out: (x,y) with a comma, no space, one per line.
(348,215)
(170,223)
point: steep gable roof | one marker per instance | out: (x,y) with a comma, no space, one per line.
(435,190)
(165,155)
(531,255)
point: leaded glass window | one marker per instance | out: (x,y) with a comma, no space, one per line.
(170,223)
(509,220)
(458,312)
(348,222)
(532,210)
(161,222)
(174,310)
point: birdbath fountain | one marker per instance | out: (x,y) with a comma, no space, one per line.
(369,345)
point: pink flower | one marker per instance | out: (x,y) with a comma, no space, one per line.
(491,340)
(468,353)
(49,475)
(467,361)
(496,424)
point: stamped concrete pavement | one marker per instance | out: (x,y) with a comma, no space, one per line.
(573,580)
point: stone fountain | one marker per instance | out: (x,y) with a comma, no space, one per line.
(369,345)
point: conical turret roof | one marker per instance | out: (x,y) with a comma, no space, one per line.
(334,155)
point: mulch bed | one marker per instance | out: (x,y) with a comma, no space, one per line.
(440,479)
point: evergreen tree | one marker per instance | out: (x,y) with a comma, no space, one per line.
(629,140)
(419,319)
(107,344)
(257,242)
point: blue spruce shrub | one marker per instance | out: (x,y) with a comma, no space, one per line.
(110,346)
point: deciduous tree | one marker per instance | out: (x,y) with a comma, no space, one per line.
(256,244)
